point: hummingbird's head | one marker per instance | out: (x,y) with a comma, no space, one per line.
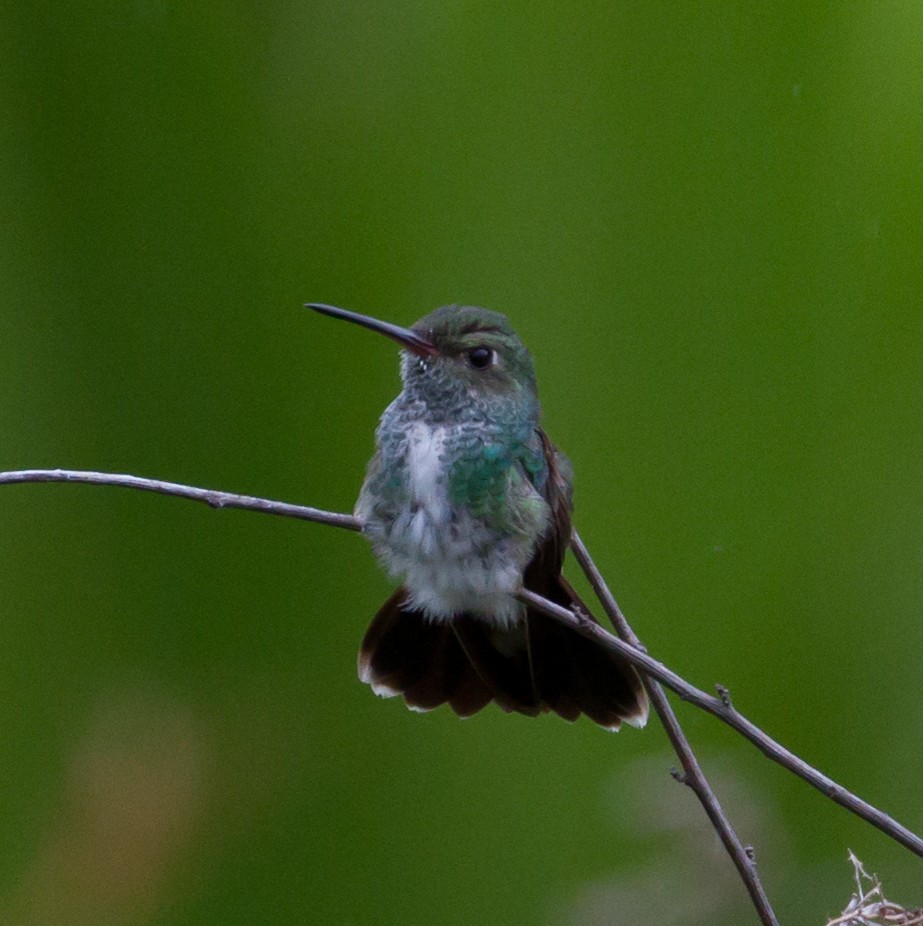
(476,348)
(461,350)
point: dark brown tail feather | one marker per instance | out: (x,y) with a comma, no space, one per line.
(536,666)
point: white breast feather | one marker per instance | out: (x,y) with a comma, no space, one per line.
(424,459)
(440,554)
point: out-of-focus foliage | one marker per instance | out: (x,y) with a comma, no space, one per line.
(704,219)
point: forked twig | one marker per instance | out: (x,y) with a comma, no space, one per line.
(725,711)
(693,776)
(721,707)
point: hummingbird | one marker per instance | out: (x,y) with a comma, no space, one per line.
(466,502)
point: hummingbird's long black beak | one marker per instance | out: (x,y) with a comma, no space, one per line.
(407,338)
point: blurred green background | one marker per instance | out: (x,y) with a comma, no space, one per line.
(705,221)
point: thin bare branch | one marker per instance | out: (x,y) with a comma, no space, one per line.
(724,710)
(210,497)
(692,775)
(720,707)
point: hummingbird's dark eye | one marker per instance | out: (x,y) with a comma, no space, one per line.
(480,357)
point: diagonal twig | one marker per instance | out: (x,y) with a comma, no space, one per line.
(726,712)
(720,707)
(692,775)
